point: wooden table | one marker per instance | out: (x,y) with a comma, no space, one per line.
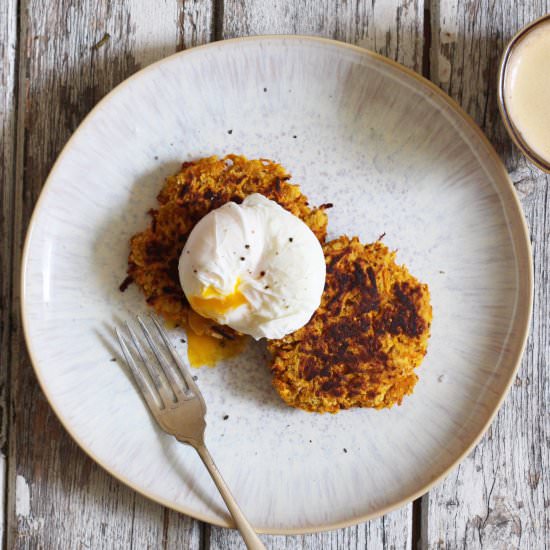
(58,58)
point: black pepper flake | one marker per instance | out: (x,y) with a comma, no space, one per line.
(247,246)
(182,340)
(262,273)
(291,239)
(229,131)
(225,416)
(266,287)
(195,378)
(294,137)
(310,441)
(156,157)
(345,450)
(265,89)
(194,271)
(242,258)
(113,359)
(126,283)
(187,252)
(381,236)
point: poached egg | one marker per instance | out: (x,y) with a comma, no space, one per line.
(255,267)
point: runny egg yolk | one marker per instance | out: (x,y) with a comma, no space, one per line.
(212,302)
(205,350)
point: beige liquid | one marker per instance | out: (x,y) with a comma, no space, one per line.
(527,89)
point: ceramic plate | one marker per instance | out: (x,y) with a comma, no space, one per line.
(395,156)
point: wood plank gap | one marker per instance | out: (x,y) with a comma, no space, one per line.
(427,44)
(416,519)
(217,19)
(10,102)
(418,514)
(15,268)
(204,536)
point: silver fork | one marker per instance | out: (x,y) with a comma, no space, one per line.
(177,405)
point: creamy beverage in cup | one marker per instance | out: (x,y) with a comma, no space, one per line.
(527,89)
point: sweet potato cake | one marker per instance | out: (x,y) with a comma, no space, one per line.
(362,345)
(186,197)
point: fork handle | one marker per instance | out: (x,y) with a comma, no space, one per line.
(250,538)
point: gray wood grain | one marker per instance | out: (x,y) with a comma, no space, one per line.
(392,531)
(498,498)
(8,45)
(392,28)
(71,55)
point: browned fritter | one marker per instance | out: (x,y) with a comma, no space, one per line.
(362,345)
(186,197)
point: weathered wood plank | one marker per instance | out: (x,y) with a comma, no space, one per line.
(8,62)
(498,498)
(393,531)
(196,23)
(70,55)
(392,28)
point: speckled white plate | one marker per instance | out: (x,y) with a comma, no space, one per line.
(395,156)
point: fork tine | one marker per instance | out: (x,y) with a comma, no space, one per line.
(178,385)
(181,367)
(137,374)
(163,388)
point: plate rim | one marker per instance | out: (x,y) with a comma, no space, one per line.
(516,205)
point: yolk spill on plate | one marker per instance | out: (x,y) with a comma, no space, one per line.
(206,350)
